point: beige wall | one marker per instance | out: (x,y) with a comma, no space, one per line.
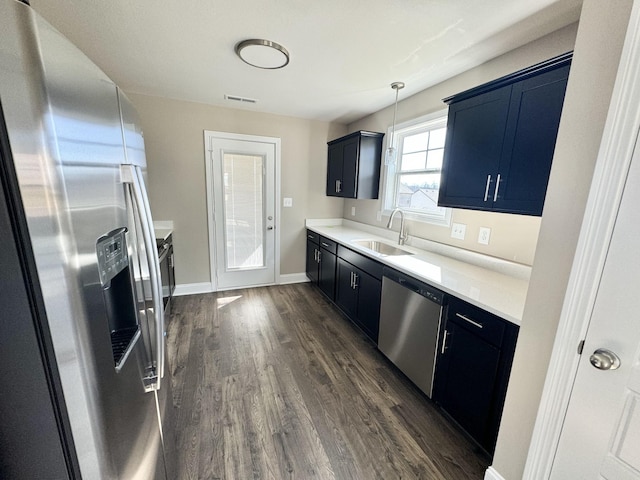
(174,141)
(597,52)
(513,237)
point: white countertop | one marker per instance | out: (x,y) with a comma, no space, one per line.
(494,291)
(162,229)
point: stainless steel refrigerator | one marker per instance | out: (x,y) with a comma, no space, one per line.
(84,383)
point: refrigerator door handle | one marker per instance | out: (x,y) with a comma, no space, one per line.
(133,175)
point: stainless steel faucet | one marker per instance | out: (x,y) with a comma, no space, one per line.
(403,235)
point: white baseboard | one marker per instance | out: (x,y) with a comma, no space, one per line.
(492,474)
(293,278)
(192,288)
(206,287)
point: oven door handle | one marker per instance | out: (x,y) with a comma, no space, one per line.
(163,254)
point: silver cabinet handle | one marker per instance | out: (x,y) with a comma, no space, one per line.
(355,281)
(467,319)
(338,186)
(444,342)
(351,279)
(319,256)
(486,188)
(324,244)
(604,359)
(495,193)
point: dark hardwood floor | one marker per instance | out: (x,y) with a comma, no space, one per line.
(274,383)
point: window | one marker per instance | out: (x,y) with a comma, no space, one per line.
(413,183)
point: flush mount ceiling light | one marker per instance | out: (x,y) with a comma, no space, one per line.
(392,152)
(262,53)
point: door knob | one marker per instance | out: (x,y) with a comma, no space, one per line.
(269,227)
(604,359)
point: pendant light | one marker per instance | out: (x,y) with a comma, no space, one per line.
(392,151)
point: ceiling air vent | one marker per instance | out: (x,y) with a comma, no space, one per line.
(236,98)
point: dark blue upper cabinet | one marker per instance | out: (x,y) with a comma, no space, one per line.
(353,169)
(501,138)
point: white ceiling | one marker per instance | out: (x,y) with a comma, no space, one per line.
(344,53)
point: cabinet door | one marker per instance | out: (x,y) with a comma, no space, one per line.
(530,139)
(327,273)
(312,263)
(334,170)
(346,295)
(350,167)
(368,310)
(475,133)
(465,381)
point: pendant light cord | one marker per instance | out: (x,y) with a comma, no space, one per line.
(395,112)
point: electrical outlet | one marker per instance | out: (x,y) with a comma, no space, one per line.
(458,230)
(483,235)
(287,202)
(353,211)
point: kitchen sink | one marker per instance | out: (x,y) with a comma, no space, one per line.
(380,248)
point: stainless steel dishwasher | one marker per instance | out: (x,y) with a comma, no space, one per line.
(410,316)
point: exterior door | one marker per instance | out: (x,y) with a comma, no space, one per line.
(242,179)
(601,433)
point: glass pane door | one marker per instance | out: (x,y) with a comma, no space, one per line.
(243,179)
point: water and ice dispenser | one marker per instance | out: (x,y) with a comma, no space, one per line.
(117,289)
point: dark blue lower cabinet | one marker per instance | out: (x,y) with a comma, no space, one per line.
(472,370)
(321,263)
(358,296)
(327,273)
(312,260)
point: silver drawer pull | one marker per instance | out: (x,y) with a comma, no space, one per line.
(324,244)
(467,319)
(495,194)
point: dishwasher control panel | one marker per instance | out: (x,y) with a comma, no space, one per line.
(417,286)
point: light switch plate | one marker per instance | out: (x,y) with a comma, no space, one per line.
(353,211)
(484,235)
(287,202)
(458,230)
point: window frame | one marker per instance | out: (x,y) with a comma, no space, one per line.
(433,120)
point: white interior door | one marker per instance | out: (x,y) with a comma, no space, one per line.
(242,175)
(601,434)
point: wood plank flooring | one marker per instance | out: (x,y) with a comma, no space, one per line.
(275,383)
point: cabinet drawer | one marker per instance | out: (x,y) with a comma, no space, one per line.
(365,264)
(329,245)
(483,324)
(313,237)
